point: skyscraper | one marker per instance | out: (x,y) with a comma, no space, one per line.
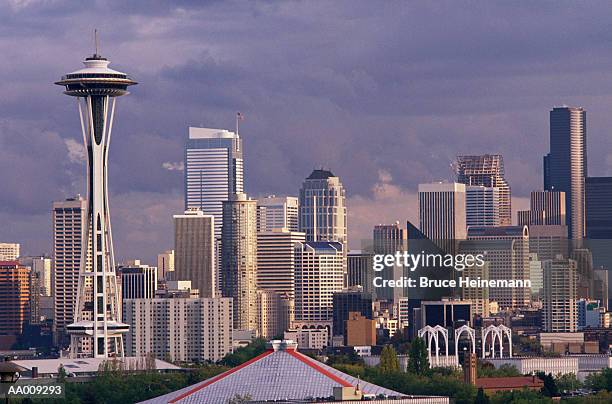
(559,312)
(277,212)
(598,207)
(565,167)
(213,171)
(389,239)
(69,219)
(545,208)
(506,250)
(194,251)
(239,259)
(276,260)
(99,319)
(442,212)
(482,206)
(14,297)
(319,273)
(41,266)
(323,215)
(487,170)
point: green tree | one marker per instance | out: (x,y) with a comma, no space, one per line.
(550,387)
(418,359)
(388,360)
(567,382)
(481,397)
(243,354)
(600,381)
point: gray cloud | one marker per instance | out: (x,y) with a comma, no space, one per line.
(359,87)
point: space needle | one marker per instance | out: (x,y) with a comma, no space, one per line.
(97,329)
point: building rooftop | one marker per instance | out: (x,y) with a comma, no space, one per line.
(320,175)
(507,383)
(279,374)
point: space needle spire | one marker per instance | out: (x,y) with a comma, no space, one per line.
(97,329)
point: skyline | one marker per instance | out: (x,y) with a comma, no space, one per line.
(321,80)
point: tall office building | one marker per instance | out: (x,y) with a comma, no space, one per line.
(276,260)
(565,167)
(182,329)
(482,206)
(14,297)
(506,250)
(138,281)
(598,207)
(319,273)
(277,212)
(9,251)
(442,212)
(389,239)
(545,208)
(487,170)
(559,312)
(194,251)
(69,219)
(274,313)
(213,171)
(323,215)
(165,264)
(239,259)
(359,270)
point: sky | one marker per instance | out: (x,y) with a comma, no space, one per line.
(384,94)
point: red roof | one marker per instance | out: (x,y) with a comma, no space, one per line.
(515,382)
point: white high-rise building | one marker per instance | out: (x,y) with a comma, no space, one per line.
(482,206)
(69,217)
(319,273)
(276,260)
(322,204)
(442,211)
(213,171)
(9,251)
(165,264)
(194,251)
(181,329)
(138,281)
(277,212)
(506,251)
(560,296)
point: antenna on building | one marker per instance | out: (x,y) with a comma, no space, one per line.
(96,42)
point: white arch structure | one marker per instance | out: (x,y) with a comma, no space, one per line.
(497,334)
(432,335)
(471,335)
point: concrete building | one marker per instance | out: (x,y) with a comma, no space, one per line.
(138,281)
(319,273)
(598,205)
(9,251)
(42,268)
(447,313)
(165,264)
(545,208)
(276,260)
(359,273)
(183,330)
(442,213)
(214,171)
(483,205)
(14,297)
(69,219)
(239,259)
(488,171)
(565,166)
(194,251)
(559,312)
(322,204)
(274,313)
(506,250)
(277,212)
(389,239)
(360,330)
